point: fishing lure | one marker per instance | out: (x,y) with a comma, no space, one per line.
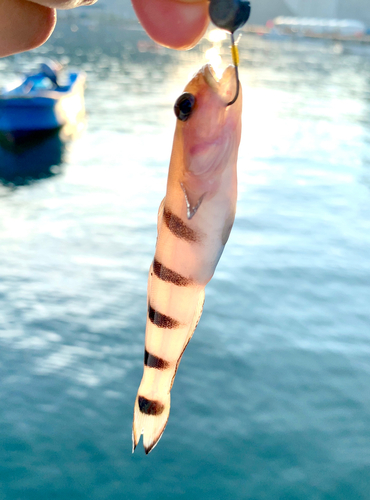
(194,222)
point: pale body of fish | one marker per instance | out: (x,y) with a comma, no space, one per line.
(194,223)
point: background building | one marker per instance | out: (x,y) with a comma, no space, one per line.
(262,10)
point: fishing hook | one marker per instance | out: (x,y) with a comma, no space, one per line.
(231,15)
(235,56)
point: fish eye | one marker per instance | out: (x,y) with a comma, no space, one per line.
(184,106)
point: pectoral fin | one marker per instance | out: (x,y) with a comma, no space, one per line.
(193,201)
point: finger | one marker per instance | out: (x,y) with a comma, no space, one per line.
(63,4)
(178,24)
(24,25)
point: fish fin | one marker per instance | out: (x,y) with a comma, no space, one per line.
(197,314)
(192,204)
(192,328)
(151,426)
(160,211)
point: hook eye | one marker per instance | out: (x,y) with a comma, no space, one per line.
(184,106)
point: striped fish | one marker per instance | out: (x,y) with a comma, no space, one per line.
(194,223)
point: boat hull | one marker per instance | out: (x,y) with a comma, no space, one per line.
(42,111)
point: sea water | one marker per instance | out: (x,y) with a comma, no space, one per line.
(272,397)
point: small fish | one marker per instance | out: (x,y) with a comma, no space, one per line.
(194,222)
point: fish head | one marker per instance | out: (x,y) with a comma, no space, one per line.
(212,96)
(210,133)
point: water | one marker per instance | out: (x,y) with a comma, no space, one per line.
(271,401)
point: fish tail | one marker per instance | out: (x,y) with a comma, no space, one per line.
(150,419)
(152,405)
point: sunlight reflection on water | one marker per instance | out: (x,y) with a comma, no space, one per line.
(271,397)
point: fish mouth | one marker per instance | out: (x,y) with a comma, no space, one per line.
(224,86)
(210,77)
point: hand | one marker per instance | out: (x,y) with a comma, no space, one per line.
(178,24)
(26,24)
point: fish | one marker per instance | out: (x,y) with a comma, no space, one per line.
(194,223)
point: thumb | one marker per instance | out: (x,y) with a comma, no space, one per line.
(24,25)
(178,24)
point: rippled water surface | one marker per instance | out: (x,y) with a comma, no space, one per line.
(271,400)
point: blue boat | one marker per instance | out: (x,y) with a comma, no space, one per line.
(42,102)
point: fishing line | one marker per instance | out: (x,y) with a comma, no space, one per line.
(231,15)
(235,57)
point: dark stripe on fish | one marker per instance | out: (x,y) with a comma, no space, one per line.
(178,227)
(161,320)
(165,274)
(150,407)
(154,362)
